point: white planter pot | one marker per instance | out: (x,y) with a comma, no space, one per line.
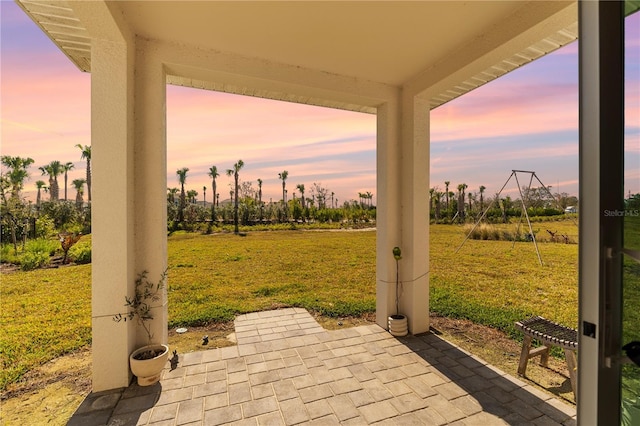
(398,325)
(148,371)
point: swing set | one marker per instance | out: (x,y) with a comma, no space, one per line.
(531,236)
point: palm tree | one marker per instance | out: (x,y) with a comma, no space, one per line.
(171,195)
(461,202)
(182,178)
(39,184)
(284,175)
(235,173)
(53,169)
(17,173)
(446,191)
(86,155)
(482,188)
(66,167)
(213,174)
(438,202)
(191,195)
(45,171)
(370,198)
(259,190)
(300,187)
(432,192)
(260,197)
(78,184)
(332,194)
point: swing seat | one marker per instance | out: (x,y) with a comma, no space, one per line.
(549,334)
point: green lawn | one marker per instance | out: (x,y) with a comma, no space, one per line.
(497,283)
(45,313)
(212,278)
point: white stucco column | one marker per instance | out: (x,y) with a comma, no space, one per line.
(403,210)
(414,266)
(129,200)
(113,257)
(388,207)
(150,156)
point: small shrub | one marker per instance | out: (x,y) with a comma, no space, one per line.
(45,227)
(72,228)
(31,260)
(81,253)
(483,232)
(36,253)
(8,255)
(61,212)
(41,245)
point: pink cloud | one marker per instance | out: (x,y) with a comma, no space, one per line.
(552,109)
(223,128)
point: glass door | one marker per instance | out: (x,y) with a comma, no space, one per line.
(630,383)
(609,251)
(630,374)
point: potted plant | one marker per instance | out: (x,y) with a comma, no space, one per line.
(398,322)
(148,361)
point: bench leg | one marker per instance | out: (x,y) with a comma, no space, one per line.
(528,353)
(524,355)
(544,357)
(570,356)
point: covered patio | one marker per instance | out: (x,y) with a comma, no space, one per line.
(397,60)
(287,369)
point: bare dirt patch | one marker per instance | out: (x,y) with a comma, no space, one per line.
(331,323)
(219,336)
(49,394)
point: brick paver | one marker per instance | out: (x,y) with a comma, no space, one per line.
(286,369)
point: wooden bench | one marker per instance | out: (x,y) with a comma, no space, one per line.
(549,334)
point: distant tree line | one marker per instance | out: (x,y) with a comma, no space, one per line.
(21,219)
(53,210)
(245,205)
(466,206)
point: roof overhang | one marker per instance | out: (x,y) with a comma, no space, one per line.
(438,50)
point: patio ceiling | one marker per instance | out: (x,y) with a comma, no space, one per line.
(440,49)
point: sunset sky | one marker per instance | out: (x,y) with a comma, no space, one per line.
(525,120)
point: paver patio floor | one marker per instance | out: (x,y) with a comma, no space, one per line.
(287,369)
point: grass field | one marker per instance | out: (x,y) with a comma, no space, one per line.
(212,278)
(498,282)
(45,313)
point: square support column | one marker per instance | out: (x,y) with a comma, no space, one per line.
(113,247)
(403,210)
(388,229)
(150,170)
(129,219)
(414,266)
